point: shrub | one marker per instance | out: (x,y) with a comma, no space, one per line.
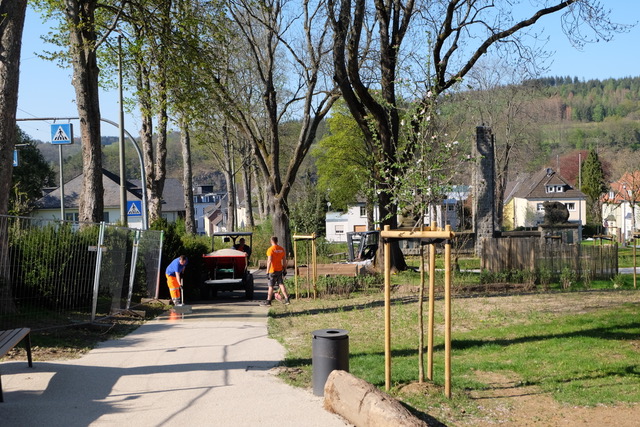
(516,276)
(591,230)
(568,277)
(618,281)
(545,276)
(370,282)
(52,251)
(176,243)
(486,277)
(339,285)
(587,278)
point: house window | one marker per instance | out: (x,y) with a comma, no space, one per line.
(105,217)
(75,217)
(363,212)
(540,207)
(571,207)
(451,207)
(550,188)
(339,229)
(559,189)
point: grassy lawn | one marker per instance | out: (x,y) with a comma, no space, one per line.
(579,348)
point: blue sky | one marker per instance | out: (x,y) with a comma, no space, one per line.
(46,91)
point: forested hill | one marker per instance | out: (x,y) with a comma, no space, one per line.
(592,100)
(562,115)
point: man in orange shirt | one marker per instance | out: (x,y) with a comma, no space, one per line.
(276,270)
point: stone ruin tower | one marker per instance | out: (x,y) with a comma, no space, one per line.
(483,187)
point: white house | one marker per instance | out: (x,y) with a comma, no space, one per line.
(205,202)
(621,206)
(211,210)
(338,224)
(355,219)
(48,207)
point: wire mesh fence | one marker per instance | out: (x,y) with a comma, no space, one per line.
(57,273)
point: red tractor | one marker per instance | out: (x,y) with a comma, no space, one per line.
(227,269)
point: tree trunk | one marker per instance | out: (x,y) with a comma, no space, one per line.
(146,139)
(259,193)
(502,174)
(160,162)
(248,204)
(388,216)
(280,220)
(11,26)
(227,170)
(81,16)
(371,220)
(187,180)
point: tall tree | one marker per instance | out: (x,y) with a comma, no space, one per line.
(83,36)
(32,174)
(12,13)
(245,155)
(84,26)
(459,32)
(593,185)
(345,163)
(149,26)
(187,81)
(187,178)
(269,32)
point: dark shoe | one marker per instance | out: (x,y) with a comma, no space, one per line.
(265,303)
(286,301)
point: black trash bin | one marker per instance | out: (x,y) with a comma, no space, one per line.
(330,351)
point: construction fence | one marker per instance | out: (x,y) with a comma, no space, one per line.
(531,254)
(59,273)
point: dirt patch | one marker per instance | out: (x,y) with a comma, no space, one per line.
(73,341)
(507,401)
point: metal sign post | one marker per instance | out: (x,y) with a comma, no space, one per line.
(61,134)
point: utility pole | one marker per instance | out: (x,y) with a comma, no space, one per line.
(123,177)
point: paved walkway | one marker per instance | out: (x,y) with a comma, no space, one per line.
(208,368)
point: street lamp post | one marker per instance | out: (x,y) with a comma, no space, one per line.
(123,177)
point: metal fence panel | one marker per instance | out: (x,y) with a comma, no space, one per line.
(49,271)
(46,272)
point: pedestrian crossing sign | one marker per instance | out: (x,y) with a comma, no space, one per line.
(62,133)
(134,208)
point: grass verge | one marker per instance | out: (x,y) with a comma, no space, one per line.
(579,348)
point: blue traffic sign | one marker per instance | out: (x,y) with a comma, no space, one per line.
(15,158)
(134,208)
(62,133)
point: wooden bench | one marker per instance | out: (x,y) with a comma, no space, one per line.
(9,339)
